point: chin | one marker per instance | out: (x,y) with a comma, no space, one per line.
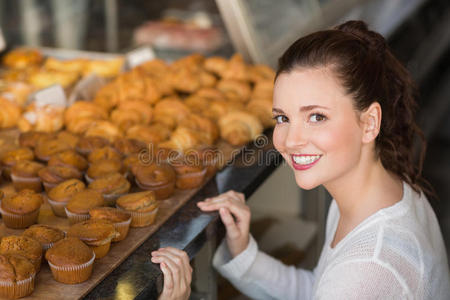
(306,182)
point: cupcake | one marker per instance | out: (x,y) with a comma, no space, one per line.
(17,275)
(127,146)
(45,148)
(77,209)
(22,209)
(44,234)
(128,164)
(25,246)
(24,175)
(103,153)
(69,158)
(86,144)
(121,219)
(103,167)
(142,206)
(30,138)
(62,193)
(190,173)
(68,138)
(10,158)
(209,156)
(51,176)
(97,234)
(159,178)
(111,186)
(70,260)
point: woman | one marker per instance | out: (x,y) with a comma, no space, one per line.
(344,107)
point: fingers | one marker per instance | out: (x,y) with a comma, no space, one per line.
(231,227)
(237,208)
(179,258)
(168,279)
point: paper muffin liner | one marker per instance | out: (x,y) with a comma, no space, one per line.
(73,274)
(32,183)
(110,199)
(37,263)
(88,179)
(17,289)
(161,191)
(190,180)
(17,221)
(101,251)
(49,185)
(122,228)
(58,207)
(76,218)
(141,219)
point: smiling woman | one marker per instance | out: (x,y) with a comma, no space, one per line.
(344,111)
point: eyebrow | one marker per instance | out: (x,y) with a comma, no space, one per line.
(302,109)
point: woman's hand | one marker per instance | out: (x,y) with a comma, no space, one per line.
(235,215)
(177,272)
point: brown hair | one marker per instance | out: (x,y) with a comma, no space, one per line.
(369,72)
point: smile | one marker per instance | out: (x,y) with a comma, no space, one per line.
(303,162)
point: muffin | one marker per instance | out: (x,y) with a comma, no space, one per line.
(68,138)
(62,193)
(24,175)
(103,153)
(159,178)
(70,260)
(31,138)
(121,219)
(190,173)
(86,144)
(69,158)
(103,167)
(25,246)
(17,275)
(22,209)
(44,234)
(10,158)
(97,234)
(45,148)
(210,157)
(111,186)
(127,146)
(51,176)
(77,209)
(142,206)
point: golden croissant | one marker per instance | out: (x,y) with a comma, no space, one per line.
(9,113)
(239,127)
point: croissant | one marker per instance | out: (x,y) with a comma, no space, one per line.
(79,125)
(260,72)
(107,96)
(44,78)
(235,90)
(207,79)
(154,67)
(84,109)
(141,108)
(236,69)
(219,108)
(71,65)
(262,108)
(22,58)
(239,127)
(207,129)
(153,134)
(170,108)
(182,138)
(104,129)
(216,65)
(185,80)
(125,118)
(18,92)
(46,118)
(197,104)
(9,113)
(104,68)
(263,89)
(193,62)
(210,93)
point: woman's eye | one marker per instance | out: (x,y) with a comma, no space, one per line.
(317,118)
(280,119)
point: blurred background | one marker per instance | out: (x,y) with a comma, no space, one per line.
(418,32)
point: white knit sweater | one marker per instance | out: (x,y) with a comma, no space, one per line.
(397,253)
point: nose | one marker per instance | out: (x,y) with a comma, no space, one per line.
(296,137)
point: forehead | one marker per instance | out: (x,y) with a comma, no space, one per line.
(309,86)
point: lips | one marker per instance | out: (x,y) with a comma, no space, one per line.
(304,161)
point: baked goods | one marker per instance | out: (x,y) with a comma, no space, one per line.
(150,134)
(97,234)
(107,96)
(127,146)
(68,138)
(123,114)
(70,65)
(53,175)
(142,206)
(22,209)
(236,69)
(107,152)
(104,68)
(62,193)
(77,209)
(239,127)
(46,118)
(24,175)
(121,219)
(209,156)
(235,90)
(68,158)
(207,129)
(111,186)
(104,129)
(44,234)
(45,148)
(16,92)
(262,109)
(42,78)
(86,144)
(22,58)
(102,168)
(184,138)
(159,178)
(84,109)
(16,276)
(216,65)
(70,260)
(219,108)
(31,138)
(260,72)
(25,246)
(9,114)
(190,174)
(170,109)
(10,158)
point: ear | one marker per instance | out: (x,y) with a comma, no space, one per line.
(371,122)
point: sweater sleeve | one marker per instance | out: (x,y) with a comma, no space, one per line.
(260,276)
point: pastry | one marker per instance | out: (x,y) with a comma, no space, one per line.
(77,209)
(22,209)
(236,69)
(183,138)
(53,175)
(17,276)
(24,175)
(172,109)
(43,78)
(30,138)
(149,134)
(22,58)
(97,234)
(235,90)
(104,129)
(70,260)
(46,118)
(44,234)
(263,89)
(107,96)
(121,219)
(206,128)
(260,72)
(262,108)
(84,109)
(159,178)
(59,196)
(87,144)
(68,138)
(79,126)
(106,152)
(46,148)
(9,114)
(24,246)
(68,158)
(216,64)
(69,65)
(210,94)
(190,174)
(103,167)
(142,206)
(127,146)
(11,158)
(239,127)
(219,108)
(209,156)
(105,68)
(16,92)
(111,186)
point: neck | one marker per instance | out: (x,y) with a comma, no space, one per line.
(364,190)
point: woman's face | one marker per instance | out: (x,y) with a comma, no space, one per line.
(317,129)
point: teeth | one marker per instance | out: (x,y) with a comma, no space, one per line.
(306,160)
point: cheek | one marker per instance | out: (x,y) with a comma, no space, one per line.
(279,135)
